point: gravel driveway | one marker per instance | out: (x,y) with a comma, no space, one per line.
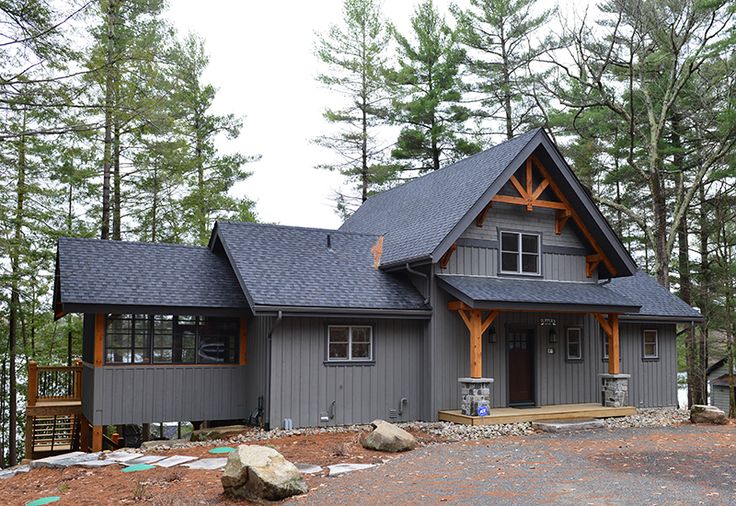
(674,465)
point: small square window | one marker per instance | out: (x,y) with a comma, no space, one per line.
(574,343)
(520,253)
(651,344)
(349,344)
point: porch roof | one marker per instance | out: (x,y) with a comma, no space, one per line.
(533,294)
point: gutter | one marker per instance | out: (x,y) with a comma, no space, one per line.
(274,325)
(428,297)
(328,311)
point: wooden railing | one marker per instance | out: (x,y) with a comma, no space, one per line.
(54,383)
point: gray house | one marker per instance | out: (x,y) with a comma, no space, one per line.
(490,285)
(720,381)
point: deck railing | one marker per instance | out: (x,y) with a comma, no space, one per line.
(54,383)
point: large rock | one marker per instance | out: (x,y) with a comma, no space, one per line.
(700,413)
(387,437)
(258,472)
(214,433)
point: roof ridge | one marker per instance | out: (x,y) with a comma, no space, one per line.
(442,169)
(295,227)
(135,243)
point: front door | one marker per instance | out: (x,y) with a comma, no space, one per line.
(520,346)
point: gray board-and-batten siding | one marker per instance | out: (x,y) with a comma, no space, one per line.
(134,394)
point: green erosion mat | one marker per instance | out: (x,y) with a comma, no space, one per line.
(222,449)
(137,467)
(43,500)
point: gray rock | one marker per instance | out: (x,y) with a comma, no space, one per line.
(568,425)
(174,460)
(387,437)
(215,433)
(207,464)
(163,444)
(12,471)
(65,460)
(258,472)
(700,413)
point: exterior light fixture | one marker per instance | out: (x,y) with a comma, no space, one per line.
(552,335)
(492,334)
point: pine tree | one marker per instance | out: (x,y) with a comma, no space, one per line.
(428,87)
(209,175)
(355,54)
(500,35)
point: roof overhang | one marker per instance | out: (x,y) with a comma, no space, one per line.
(422,314)
(72,307)
(478,293)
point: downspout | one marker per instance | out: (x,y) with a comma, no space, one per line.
(275,324)
(428,298)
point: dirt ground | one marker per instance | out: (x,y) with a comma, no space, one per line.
(182,486)
(684,464)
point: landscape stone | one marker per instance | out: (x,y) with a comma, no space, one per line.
(12,471)
(338,469)
(701,413)
(308,468)
(147,459)
(258,472)
(568,425)
(207,464)
(174,460)
(214,433)
(123,456)
(65,460)
(387,437)
(164,443)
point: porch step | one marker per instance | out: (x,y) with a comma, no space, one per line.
(568,425)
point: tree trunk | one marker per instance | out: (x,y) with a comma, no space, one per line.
(116,204)
(109,106)
(506,87)
(13,315)
(659,207)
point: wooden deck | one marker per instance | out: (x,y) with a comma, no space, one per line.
(554,412)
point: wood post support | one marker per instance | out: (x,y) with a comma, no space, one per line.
(611,328)
(97,438)
(243,347)
(29,437)
(83,433)
(32,396)
(99,339)
(473,319)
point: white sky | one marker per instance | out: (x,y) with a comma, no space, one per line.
(262,62)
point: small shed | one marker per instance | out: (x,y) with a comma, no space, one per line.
(719,381)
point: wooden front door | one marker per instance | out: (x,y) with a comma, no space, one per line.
(520,348)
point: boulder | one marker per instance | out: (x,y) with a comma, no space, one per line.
(700,413)
(214,433)
(259,472)
(387,437)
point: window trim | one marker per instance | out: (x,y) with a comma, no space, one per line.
(151,362)
(349,360)
(644,355)
(519,252)
(578,358)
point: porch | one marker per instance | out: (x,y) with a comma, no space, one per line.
(556,412)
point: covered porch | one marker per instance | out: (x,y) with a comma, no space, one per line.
(520,366)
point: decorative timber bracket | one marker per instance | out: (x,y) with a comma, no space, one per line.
(477,325)
(611,328)
(530,198)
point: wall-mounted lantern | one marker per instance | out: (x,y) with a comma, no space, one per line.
(552,335)
(492,334)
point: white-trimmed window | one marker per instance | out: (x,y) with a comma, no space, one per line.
(349,343)
(606,343)
(651,344)
(520,253)
(574,343)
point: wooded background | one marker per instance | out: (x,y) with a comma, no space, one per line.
(107,131)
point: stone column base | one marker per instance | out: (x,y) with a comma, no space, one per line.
(615,389)
(474,393)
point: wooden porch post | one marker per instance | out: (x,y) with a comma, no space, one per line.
(83,434)
(97,438)
(611,328)
(476,325)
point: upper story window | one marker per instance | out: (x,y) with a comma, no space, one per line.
(169,339)
(349,343)
(520,253)
(651,344)
(574,343)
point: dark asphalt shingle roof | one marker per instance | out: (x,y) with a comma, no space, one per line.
(528,291)
(654,299)
(93,271)
(293,267)
(416,216)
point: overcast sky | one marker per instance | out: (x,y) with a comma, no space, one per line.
(262,62)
